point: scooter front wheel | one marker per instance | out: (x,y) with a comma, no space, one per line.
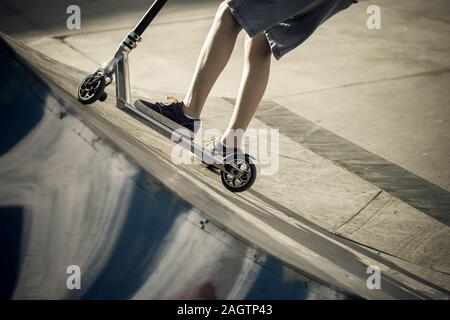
(230,178)
(91,89)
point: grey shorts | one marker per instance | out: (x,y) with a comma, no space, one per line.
(286,23)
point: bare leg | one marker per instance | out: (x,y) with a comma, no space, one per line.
(213,58)
(254,80)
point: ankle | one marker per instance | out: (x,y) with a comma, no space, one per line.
(188,111)
(230,141)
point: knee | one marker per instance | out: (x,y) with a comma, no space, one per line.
(258,46)
(225,18)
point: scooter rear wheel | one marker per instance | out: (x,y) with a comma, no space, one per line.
(91,89)
(243,183)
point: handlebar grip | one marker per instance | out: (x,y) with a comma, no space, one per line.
(149,16)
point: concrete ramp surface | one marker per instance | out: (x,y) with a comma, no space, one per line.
(93,187)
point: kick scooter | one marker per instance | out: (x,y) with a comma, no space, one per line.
(238,171)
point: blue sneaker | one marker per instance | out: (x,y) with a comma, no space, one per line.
(170,114)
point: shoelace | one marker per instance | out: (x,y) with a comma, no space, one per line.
(212,143)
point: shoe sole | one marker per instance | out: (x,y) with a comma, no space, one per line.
(165,121)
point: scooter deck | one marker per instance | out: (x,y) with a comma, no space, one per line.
(186,142)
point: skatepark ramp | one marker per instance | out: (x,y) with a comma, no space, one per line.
(91,189)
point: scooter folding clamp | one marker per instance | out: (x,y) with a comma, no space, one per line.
(132,40)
